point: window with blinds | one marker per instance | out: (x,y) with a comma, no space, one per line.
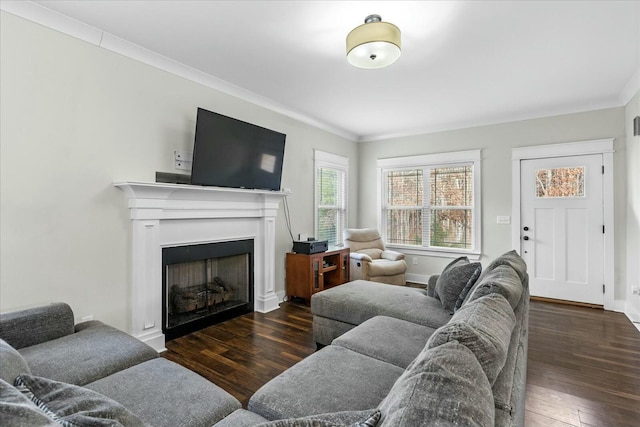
(331,173)
(431,206)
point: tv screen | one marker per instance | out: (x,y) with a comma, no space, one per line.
(232,153)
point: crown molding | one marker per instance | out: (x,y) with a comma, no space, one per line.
(72,27)
(631,88)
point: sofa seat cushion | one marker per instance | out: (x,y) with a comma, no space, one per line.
(444,386)
(163,393)
(384,338)
(333,379)
(12,363)
(95,351)
(385,267)
(484,326)
(74,405)
(360,300)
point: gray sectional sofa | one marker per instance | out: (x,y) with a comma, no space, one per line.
(410,354)
(453,354)
(90,374)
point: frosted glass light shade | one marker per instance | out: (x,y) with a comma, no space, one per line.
(373,45)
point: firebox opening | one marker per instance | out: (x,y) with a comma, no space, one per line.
(205,284)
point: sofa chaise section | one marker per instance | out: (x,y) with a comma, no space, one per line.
(92,369)
(57,349)
(339,309)
(462,368)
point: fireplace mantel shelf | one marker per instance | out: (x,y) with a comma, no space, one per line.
(150,200)
(164,215)
(158,189)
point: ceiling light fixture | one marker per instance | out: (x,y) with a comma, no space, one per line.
(374,44)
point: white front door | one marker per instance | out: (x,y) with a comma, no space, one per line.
(561,233)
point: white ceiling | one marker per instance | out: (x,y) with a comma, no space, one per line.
(463,63)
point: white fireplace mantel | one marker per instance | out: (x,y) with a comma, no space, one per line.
(165,215)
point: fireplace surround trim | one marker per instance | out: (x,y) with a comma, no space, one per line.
(174,214)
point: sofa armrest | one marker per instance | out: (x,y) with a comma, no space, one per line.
(392,255)
(32,326)
(360,257)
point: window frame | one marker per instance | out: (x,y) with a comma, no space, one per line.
(322,159)
(427,162)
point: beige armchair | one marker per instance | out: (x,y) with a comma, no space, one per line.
(370,260)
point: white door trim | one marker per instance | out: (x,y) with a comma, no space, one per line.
(599,146)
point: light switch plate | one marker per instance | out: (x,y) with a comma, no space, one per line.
(503,219)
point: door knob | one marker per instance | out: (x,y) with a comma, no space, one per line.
(525,238)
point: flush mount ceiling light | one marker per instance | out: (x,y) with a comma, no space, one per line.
(374,44)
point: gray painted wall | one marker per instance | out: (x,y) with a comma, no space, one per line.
(633,210)
(496,142)
(76,118)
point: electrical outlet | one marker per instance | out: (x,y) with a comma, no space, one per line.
(415,260)
(182,159)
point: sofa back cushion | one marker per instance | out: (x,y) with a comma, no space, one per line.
(484,326)
(12,363)
(32,326)
(444,385)
(501,280)
(505,275)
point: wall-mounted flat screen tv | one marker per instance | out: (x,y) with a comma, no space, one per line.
(232,153)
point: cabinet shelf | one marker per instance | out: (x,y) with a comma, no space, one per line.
(311,273)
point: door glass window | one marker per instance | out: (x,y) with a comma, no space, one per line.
(560,182)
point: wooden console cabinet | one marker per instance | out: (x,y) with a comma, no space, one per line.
(308,274)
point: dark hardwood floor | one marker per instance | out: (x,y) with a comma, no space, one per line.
(583,365)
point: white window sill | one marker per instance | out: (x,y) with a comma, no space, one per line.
(443,253)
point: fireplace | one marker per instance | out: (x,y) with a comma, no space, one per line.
(204,284)
(172,216)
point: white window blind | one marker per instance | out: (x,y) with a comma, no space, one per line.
(331,173)
(432,202)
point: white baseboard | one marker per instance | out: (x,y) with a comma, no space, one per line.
(633,314)
(280,295)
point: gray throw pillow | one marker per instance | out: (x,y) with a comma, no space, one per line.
(338,419)
(12,363)
(16,410)
(484,326)
(465,291)
(454,280)
(458,261)
(444,386)
(72,405)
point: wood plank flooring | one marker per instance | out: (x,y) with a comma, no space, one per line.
(583,366)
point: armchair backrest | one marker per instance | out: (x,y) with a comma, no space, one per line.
(363,240)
